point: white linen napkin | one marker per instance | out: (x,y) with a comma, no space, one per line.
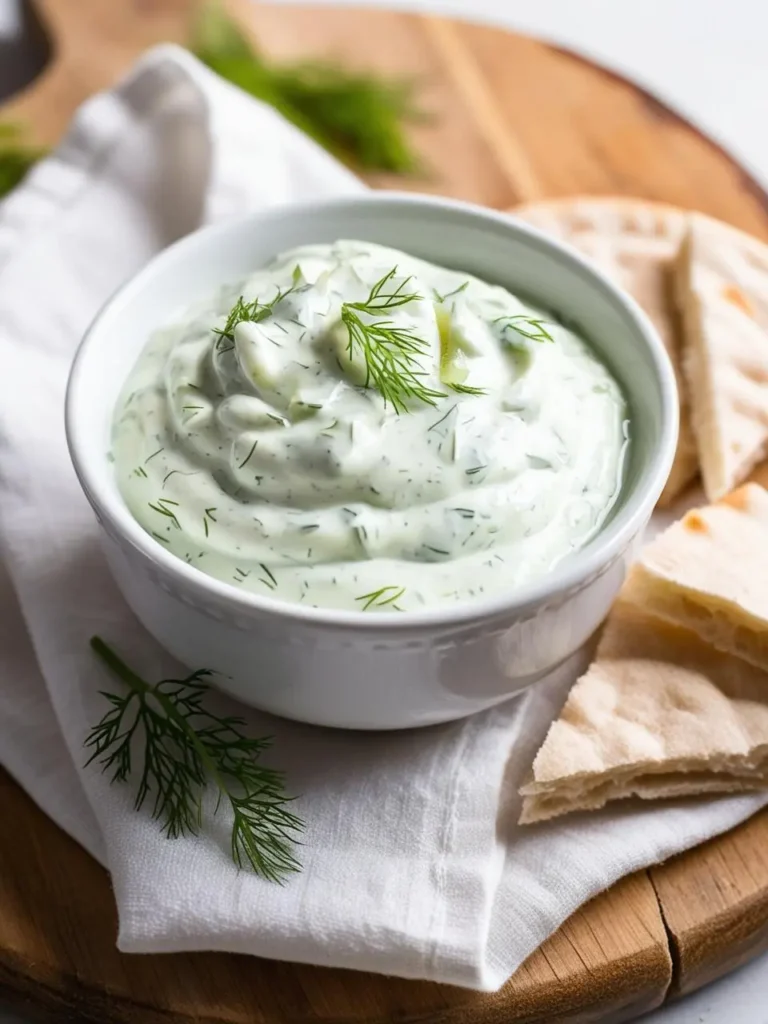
(412,862)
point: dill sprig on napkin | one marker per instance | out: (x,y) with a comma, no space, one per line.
(182,748)
(358,116)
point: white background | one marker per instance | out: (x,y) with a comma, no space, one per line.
(708,58)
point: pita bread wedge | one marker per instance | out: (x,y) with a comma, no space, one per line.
(709,573)
(658,714)
(635,243)
(722,289)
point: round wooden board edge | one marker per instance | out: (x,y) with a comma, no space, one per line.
(681,941)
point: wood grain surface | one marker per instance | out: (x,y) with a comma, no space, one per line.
(514,120)
(57,952)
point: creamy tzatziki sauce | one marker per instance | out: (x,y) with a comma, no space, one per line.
(352,427)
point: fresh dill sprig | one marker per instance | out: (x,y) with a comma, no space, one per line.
(380,298)
(184,748)
(390,352)
(528,326)
(382,597)
(256,311)
(16,157)
(357,115)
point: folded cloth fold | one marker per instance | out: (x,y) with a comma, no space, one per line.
(412,862)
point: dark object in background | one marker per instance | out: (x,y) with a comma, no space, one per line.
(358,116)
(24,55)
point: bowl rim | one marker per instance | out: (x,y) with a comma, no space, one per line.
(580,567)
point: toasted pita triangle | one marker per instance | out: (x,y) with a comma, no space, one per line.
(722,289)
(709,573)
(658,714)
(635,243)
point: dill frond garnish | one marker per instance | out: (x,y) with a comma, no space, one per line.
(256,311)
(530,327)
(250,453)
(357,115)
(382,597)
(185,748)
(390,352)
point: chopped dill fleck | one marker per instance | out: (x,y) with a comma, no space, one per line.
(268,573)
(140,471)
(475,469)
(381,598)
(163,540)
(179,471)
(442,419)
(208,515)
(250,453)
(150,457)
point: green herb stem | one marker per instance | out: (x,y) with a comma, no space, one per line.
(185,748)
(390,352)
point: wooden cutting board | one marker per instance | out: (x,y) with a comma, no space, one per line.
(514,121)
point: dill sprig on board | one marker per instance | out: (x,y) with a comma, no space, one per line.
(184,748)
(390,352)
(16,157)
(359,116)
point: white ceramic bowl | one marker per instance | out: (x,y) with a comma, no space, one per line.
(373,670)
